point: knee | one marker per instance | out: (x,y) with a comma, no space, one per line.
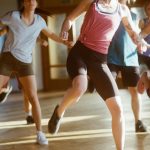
(80,89)
(116,108)
(32,97)
(80,86)
(118,111)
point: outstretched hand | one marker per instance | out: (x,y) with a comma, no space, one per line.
(142,45)
(69,44)
(141,48)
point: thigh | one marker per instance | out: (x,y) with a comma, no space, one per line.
(29,84)
(75,63)
(6,64)
(103,80)
(24,69)
(3,81)
(130,76)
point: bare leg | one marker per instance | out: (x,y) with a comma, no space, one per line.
(4,90)
(118,125)
(3,82)
(30,88)
(135,103)
(79,86)
(27,105)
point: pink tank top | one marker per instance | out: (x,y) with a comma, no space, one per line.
(99,28)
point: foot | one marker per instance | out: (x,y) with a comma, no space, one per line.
(54,122)
(29,120)
(41,139)
(140,127)
(4,94)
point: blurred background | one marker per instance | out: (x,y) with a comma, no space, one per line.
(49,62)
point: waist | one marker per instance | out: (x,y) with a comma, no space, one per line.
(100,46)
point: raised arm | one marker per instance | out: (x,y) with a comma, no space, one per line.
(81,8)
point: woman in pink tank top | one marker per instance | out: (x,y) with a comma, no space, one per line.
(88,58)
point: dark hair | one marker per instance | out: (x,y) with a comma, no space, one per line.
(38,10)
(147,2)
(21,7)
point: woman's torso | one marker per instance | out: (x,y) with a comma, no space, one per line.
(21,37)
(98,28)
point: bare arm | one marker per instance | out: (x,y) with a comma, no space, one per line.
(128,28)
(1,24)
(56,38)
(136,37)
(81,8)
(3,31)
(141,24)
(52,35)
(42,42)
(128,24)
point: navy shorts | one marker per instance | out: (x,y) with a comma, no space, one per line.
(130,74)
(144,60)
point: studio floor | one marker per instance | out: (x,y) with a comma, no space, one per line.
(86,125)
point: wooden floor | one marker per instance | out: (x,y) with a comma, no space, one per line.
(86,125)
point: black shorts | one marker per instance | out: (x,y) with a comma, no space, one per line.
(130,74)
(9,64)
(144,60)
(96,66)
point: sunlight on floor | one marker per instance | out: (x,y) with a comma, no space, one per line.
(22,123)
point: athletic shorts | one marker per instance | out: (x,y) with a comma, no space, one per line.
(95,64)
(144,60)
(130,74)
(9,64)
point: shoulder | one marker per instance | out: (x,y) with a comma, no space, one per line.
(9,13)
(40,21)
(39,18)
